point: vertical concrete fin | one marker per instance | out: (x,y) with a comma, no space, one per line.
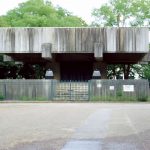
(142,39)
(46,50)
(98,50)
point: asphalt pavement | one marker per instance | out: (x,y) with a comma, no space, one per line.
(74,126)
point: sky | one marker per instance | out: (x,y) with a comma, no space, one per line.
(81,8)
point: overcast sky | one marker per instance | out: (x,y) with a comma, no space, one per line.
(81,8)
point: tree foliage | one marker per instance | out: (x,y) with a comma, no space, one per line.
(146,71)
(38,13)
(123,13)
(3,22)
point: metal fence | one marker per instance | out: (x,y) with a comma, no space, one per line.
(94,90)
(72,90)
(27,89)
(125,90)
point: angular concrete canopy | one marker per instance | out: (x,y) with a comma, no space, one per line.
(76,45)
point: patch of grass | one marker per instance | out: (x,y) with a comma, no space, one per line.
(26,98)
(116,98)
(127,98)
(41,99)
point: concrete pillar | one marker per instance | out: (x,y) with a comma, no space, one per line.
(56,69)
(102,66)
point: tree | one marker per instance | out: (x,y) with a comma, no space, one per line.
(3,22)
(143,71)
(146,71)
(119,71)
(37,13)
(114,71)
(8,69)
(121,13)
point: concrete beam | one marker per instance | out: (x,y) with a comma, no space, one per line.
(74,40)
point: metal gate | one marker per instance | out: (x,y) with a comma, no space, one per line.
(72,90)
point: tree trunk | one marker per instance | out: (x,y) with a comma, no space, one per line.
(126,70)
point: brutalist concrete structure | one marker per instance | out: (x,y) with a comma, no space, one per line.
(73,53)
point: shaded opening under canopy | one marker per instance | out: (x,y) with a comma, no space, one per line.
(76,71)
(75,66)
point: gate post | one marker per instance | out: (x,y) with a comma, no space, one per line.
(89,90)
(70,90)
(52,88)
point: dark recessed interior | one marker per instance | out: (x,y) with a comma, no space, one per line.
(76,71)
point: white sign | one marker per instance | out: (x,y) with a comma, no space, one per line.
(128,88)
(111,88)
(99,85)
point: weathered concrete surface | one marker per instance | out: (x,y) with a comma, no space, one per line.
(74,40)
(69,126)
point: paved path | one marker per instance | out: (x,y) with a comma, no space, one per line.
(75,126)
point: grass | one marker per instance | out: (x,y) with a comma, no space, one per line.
(26,98)
(121,98)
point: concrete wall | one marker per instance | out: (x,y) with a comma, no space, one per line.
(78,40)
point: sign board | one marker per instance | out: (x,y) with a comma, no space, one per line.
(99,85)
(128,88)
(111,88)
